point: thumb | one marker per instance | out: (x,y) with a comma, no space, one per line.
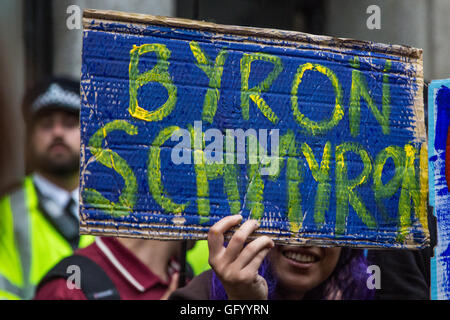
(173,285)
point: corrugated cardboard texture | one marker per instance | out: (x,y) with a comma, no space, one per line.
(439,149)
(352,154)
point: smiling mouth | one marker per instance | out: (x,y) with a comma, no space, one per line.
(300,257)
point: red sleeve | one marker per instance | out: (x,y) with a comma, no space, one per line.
(57,289)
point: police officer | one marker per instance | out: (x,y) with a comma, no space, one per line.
(39,221)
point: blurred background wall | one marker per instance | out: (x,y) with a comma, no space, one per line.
(35,41)
(419,23)
(67,43)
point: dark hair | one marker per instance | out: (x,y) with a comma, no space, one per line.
(347,281)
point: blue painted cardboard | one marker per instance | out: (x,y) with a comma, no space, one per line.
(349,115)
(439,152)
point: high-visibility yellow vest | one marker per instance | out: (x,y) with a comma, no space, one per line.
(29,244)
(198,257)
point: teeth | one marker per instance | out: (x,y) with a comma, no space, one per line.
(305,258)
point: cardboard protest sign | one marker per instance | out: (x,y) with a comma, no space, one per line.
(439,149)
(184,122)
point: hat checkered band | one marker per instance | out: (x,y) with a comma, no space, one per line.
(55,95)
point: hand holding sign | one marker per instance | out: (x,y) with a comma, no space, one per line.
(289,272)
(237,266)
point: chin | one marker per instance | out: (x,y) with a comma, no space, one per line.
(298,280)
(63,167)
(301,269)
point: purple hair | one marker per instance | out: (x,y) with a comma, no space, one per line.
(347,281)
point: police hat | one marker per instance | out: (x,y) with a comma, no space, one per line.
(52,94)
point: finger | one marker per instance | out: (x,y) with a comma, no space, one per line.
(172,286)
(239,238)
(215,234)
(252,250)
(255,263)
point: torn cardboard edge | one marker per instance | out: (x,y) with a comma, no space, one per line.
(155,232)
(275,34)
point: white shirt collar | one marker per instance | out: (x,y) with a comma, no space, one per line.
(58,196)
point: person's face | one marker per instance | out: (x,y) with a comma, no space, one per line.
(300,269)
(55,142)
